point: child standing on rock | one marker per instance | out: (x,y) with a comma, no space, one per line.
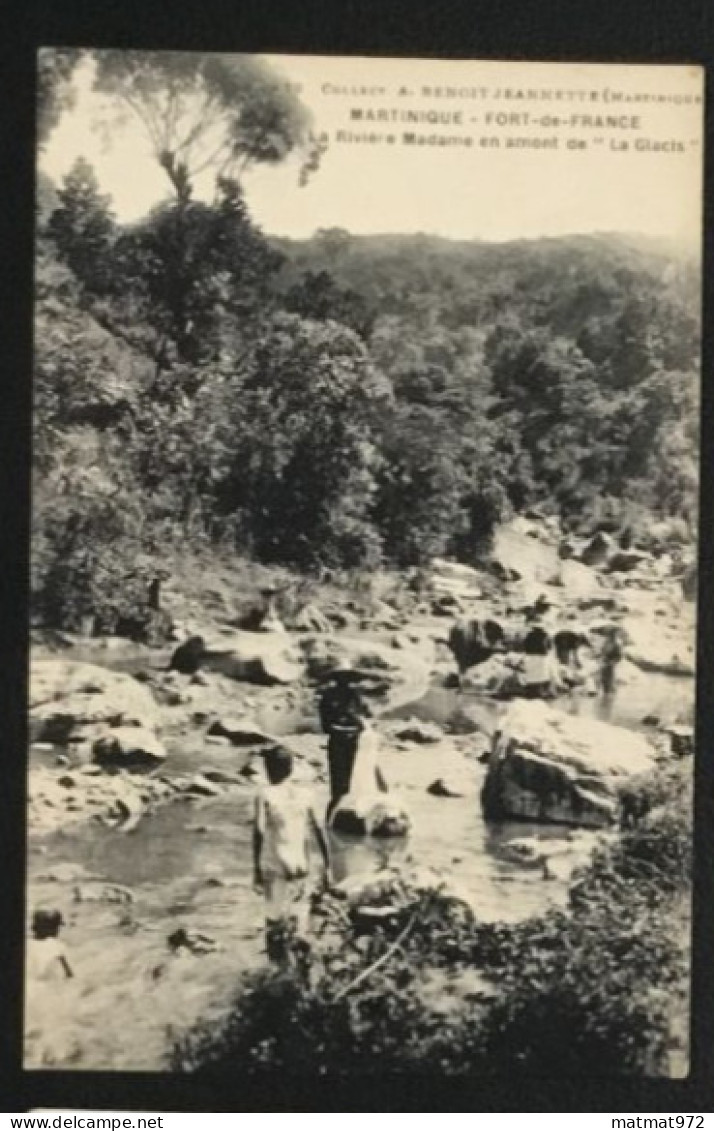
(284,825)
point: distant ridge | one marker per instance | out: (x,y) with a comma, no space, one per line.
(638,245)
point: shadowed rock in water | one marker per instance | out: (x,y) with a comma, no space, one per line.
(474,640)
(371,815)
(597,551)
(129,747)
(418,731)
(444,787)
(239,731)
(624,561)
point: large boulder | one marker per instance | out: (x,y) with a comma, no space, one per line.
(187,658)
(242,731)
(473,640)
(66,697)
(262,658)
(310,618)
(546,765)
(597,551)
(576,578)
(130,748)
(660,648)
(452,579)
(416,730)
(456,571)
(381,614)
(371,814)
(100,891)
(520,553)
(497,673)
(668,532)
(625,561)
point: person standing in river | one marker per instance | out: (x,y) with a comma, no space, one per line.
(284,825)
(343,711)
(610,656)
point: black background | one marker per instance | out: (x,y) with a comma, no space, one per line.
(678,31)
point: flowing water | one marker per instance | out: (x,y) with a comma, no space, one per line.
(654,697)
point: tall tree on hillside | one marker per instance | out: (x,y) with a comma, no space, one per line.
(199,112)
(203,272)
(82,227)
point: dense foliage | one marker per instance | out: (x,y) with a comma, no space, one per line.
(342,401)
(598,983)
(55,93)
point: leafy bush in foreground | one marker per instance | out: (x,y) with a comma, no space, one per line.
(557,993)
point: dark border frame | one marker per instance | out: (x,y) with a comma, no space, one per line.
(637,31)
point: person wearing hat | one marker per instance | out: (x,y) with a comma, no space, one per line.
(343,711)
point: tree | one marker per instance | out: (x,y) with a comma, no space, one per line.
(318,296)
(297,432)
(549,411)
(198,111)
(440,483)
(333,244)
(420,484)
(203,271)
(55,70)
(82,227)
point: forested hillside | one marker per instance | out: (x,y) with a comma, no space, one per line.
(342,401)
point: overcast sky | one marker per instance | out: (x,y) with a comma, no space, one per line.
(485,193)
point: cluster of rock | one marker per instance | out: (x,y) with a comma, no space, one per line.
(118,800)
(110,765)
(58,799)
(403,666)
(103,716)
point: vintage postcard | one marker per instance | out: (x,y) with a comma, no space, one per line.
(364,565)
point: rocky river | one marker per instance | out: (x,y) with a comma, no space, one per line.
(134,853)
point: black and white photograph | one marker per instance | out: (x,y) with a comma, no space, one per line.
(365,496)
